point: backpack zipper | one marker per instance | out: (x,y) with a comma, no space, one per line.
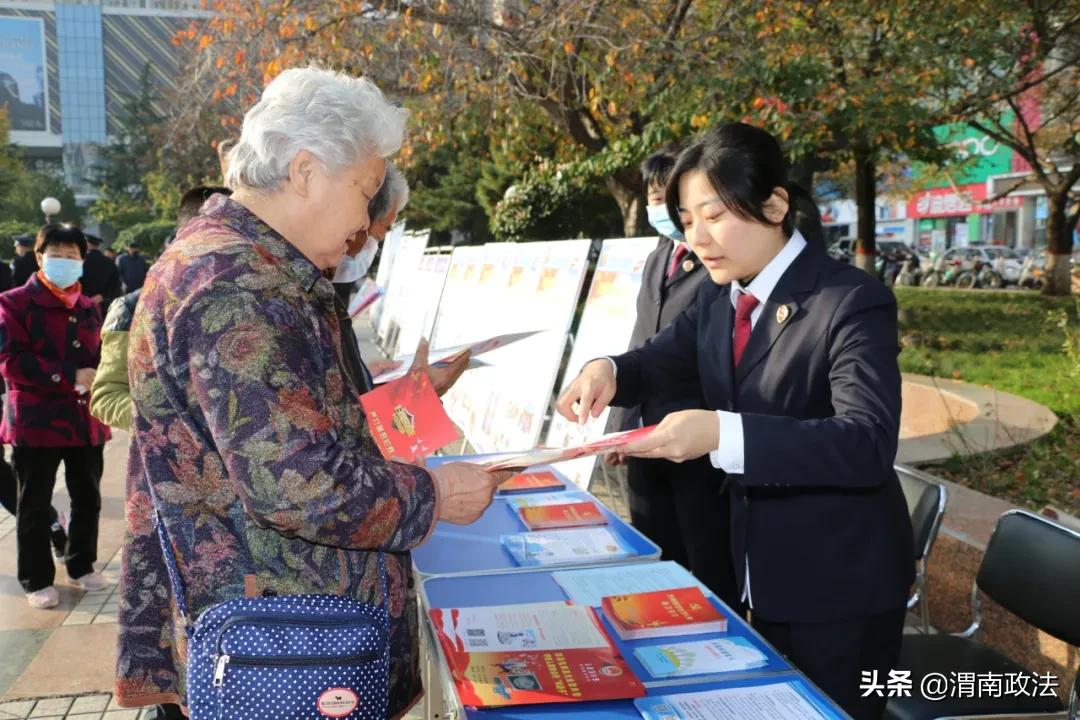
(223,661)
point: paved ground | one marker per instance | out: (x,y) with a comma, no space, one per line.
(59,663)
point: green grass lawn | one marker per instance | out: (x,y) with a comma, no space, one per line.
(1016,342)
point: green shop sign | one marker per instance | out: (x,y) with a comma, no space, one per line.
(978,156)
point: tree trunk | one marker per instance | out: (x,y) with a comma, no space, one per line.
(1058,244)
(631,201)
(802,172)
(865,197)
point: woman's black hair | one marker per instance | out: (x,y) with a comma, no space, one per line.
(744,164)
(57,234)
(657,167)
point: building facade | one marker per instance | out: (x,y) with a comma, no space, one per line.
(66,69)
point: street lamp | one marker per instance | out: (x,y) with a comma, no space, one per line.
(50,206)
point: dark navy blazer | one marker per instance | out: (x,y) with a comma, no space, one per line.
(818,511)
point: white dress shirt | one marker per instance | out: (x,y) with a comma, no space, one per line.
(730,452)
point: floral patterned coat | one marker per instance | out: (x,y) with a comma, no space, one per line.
(252,435)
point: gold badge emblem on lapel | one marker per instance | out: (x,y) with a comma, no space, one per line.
(782,314)
(687,265)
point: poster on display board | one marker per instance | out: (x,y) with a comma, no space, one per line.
(24,91)
(607,322)
(417,315)
(401,285)
(463,317)
(387,251)
(518,287)
(542,292)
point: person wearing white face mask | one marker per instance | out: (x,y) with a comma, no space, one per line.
(49,349)
(383,209)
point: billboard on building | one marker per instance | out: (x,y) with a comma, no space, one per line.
(23,78)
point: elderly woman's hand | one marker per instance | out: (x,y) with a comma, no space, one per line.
(442,375)
(465,490)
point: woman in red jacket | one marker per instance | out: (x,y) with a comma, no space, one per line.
(50,339)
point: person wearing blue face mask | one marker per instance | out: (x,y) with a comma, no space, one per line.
(682,508)
(49,351)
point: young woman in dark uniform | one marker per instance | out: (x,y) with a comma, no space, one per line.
(796,355)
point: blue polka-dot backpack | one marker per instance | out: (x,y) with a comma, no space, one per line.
(288,657)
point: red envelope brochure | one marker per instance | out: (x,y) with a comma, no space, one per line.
(407,419)
(550,456)
(530,654)
(532,482)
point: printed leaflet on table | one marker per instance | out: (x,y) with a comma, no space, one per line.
(700,657)
(591,586)
(532,482)
(555,547)
(776,701)
(528,654)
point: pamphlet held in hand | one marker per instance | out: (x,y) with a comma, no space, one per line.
(550,456)
(407,419)
(445,356)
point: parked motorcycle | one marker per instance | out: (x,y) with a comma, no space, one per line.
(942,274)
(1032,273)
(910,274)
(981,275)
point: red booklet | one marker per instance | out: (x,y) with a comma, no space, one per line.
(574,514)
(532,482)
(682,611)
(407,419)
(531,654)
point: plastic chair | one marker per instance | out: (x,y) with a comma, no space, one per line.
(1032,569)
(926,501)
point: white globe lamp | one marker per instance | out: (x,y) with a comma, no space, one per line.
(50,206)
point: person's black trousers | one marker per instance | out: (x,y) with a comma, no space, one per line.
(685,509)
(835,654)
(9,490)
(35,472)
(168,712)
(9,494)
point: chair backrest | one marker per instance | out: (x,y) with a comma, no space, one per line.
(1032,568)
(926,504)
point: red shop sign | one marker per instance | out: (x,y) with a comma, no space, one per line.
(962,200)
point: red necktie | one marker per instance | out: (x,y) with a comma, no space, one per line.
(680,252)
(743,309)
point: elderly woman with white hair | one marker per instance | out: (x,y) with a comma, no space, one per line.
(247,431)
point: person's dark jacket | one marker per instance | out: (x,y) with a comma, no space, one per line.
(660,300)
(6,281)
(132,271)
(22,268)
(101,277)
(818,513)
